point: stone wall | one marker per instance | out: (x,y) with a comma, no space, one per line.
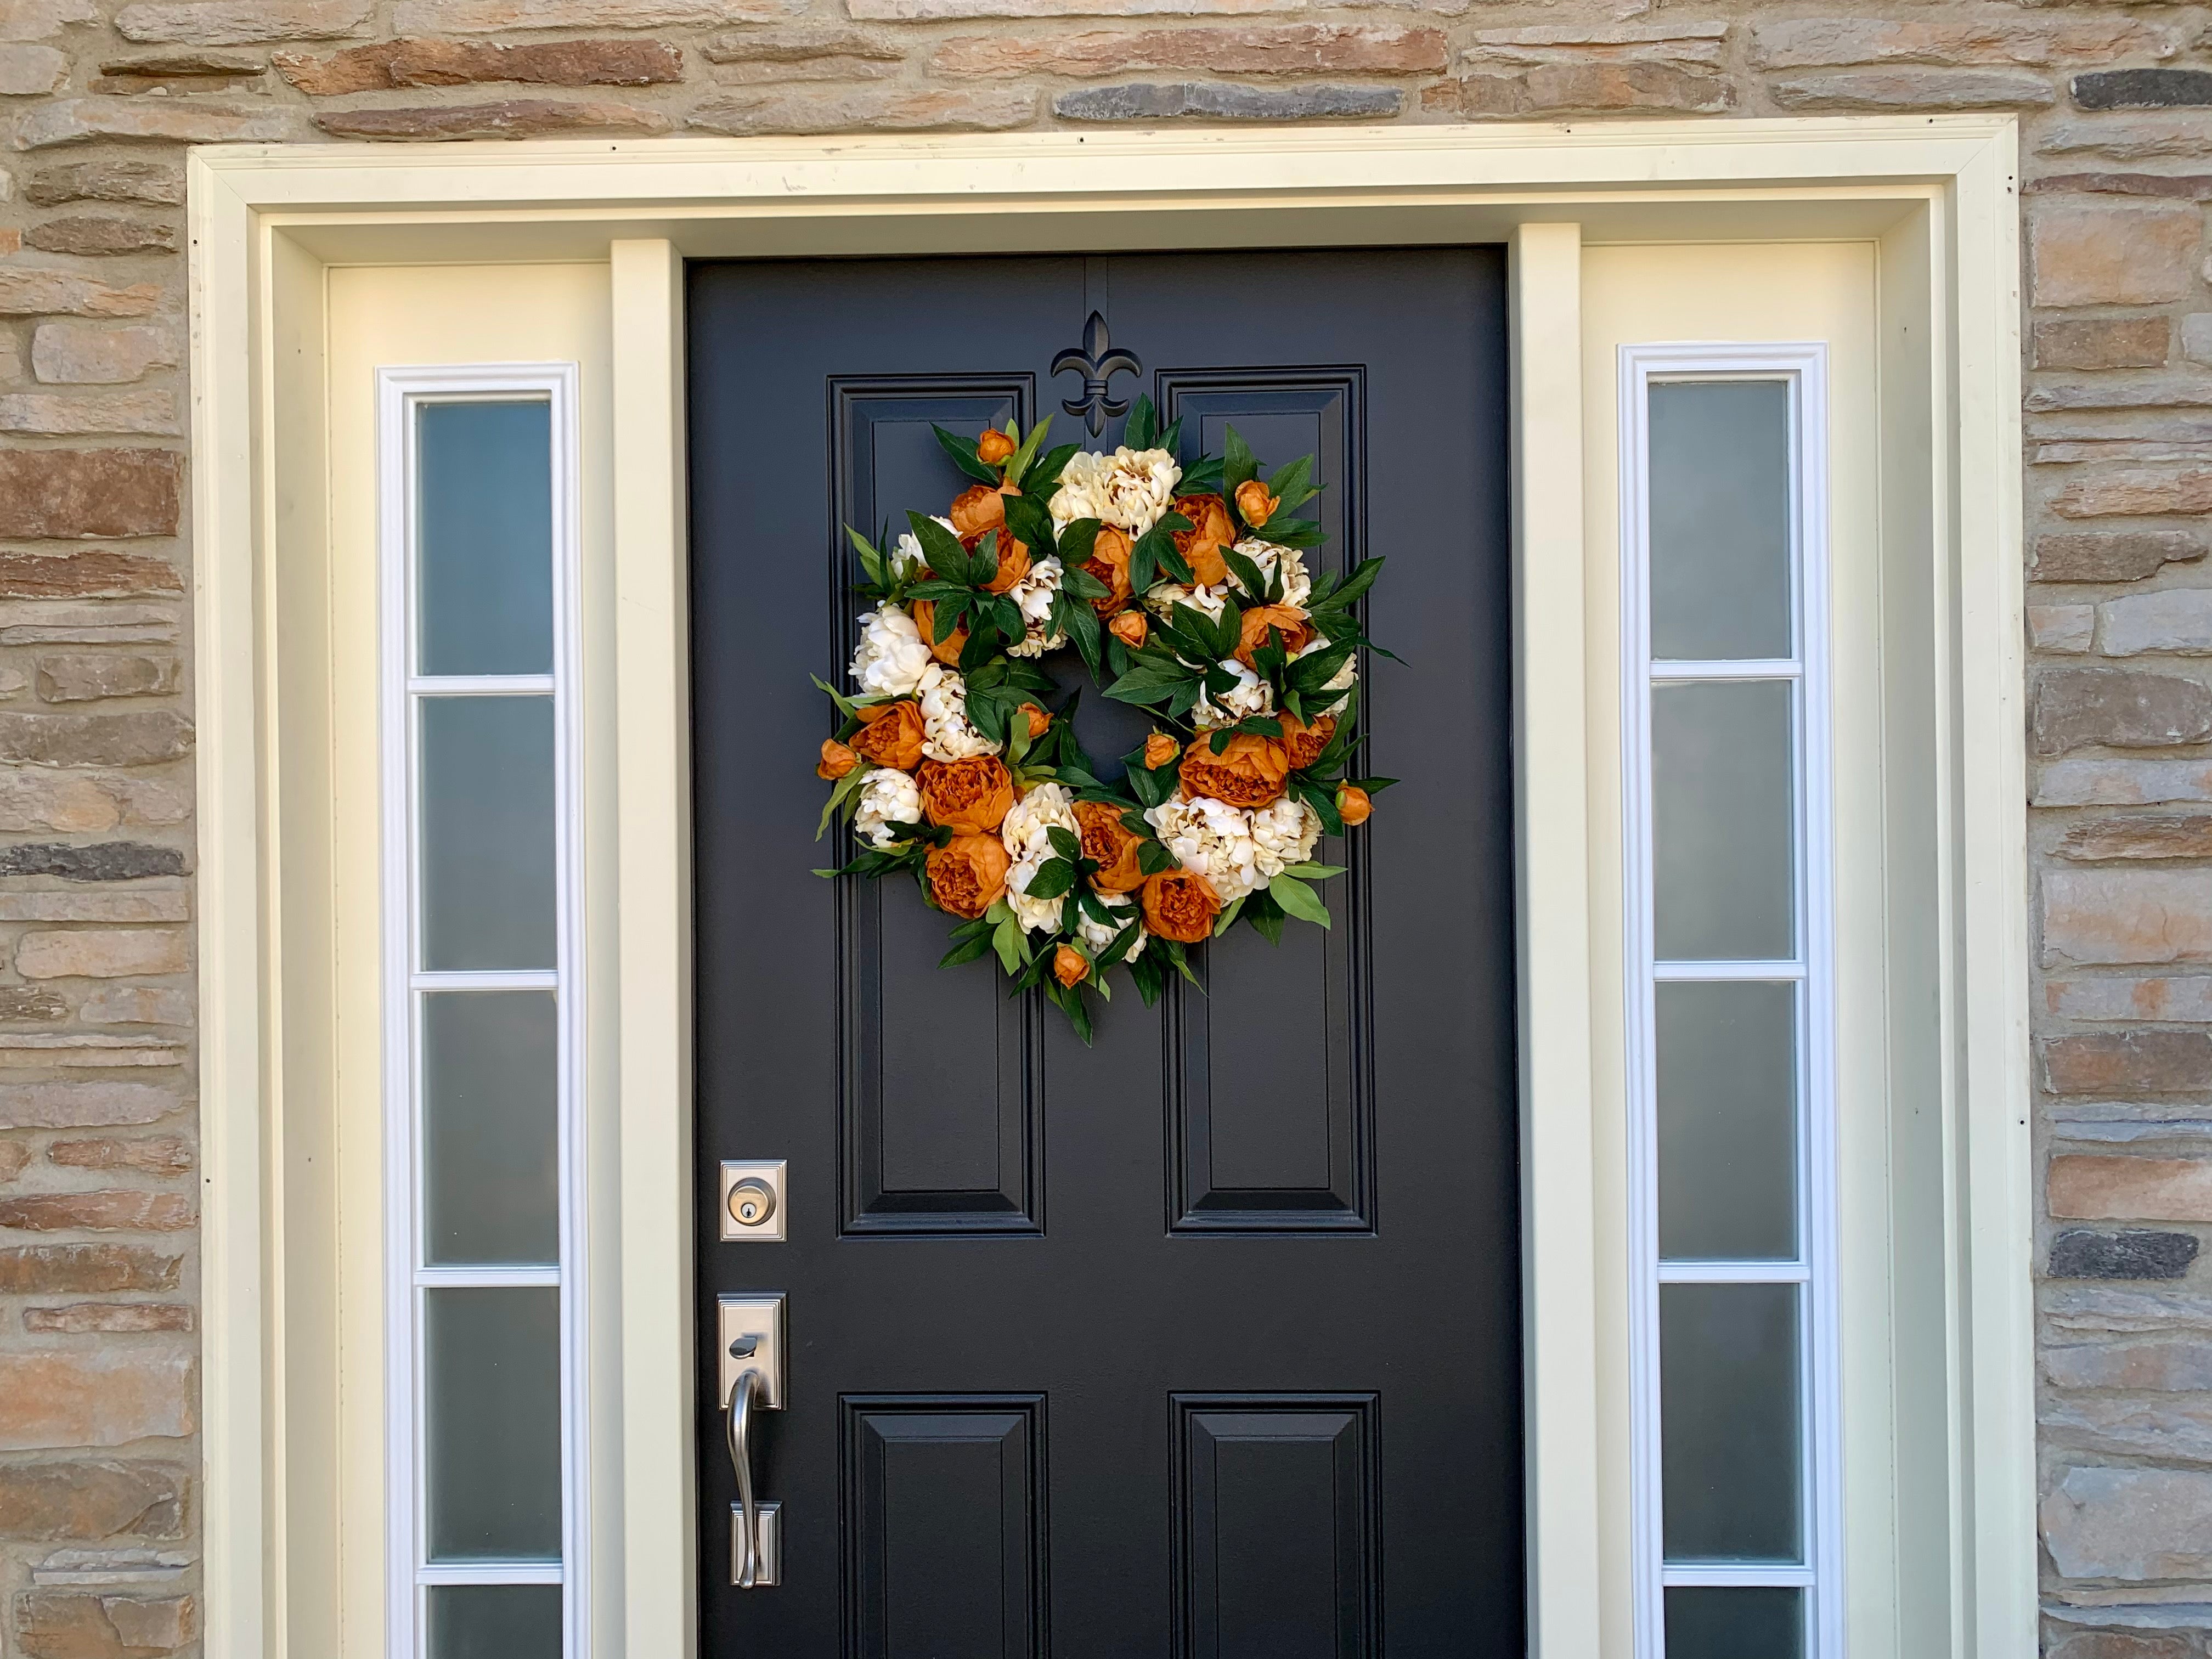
(98,1489)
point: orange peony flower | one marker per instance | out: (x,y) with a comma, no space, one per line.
(1107,840)
(946,650)
(836,761)
(892,737)
(994,447)
(1254,502)
(978,508)
(1069,966)
(1354,804)
(1287,620)
(1249,772)
(1180,905)
(1130,627)
(1013,559)
(1303,744)
(967,874)
(1159,750)
(1109,563)
(1210,531)
(969,797)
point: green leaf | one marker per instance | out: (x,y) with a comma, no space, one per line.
(1265,917)
(1202,476)
(1298,532)
(966,951)
(1075,544)
(1372,785)
(1341,598)
(1031,525)
(1324,802)
(872,559)
(846,705)
(1237,464)
(1153,857)
(1177,958)
(1075,618)
(1080,583)
(940,547)
(1150,976)
(1310,673)
(1227,918)
(1246,572)
(1142,429)
(1006,939)
(1043,476)
(1290,485)
(1064,842)
(1314,872)
(1054,878)
(1017,463)
(1172,439)
(1299,899)
(841,798)
(963,451)
(945,620)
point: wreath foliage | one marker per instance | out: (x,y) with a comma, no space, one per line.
(1185,591)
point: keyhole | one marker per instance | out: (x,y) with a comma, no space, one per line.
(751,1202)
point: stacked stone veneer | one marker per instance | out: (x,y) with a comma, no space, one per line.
(99,1481)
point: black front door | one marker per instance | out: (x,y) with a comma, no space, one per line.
(1203,1342)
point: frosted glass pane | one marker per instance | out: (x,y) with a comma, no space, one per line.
(487,852)
(484,537)
(1728,1121)
(492,1391)
(494,1621)
(1727,1421)
(1721,821)
(491,1159)
(1720,519)
(1764,1622)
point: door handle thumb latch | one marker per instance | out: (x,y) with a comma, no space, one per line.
(751,1372)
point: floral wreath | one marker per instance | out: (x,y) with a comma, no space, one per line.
(1186,592)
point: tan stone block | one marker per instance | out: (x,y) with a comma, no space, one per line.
(151,413)
(2130,1524)
(31,1002)
(95,235)
(72,1625)
(41,19)
(2092,343)
(1818,42)
(495,16)
(73,120)
(2122,708)
(238,23)
(2154,1365)
(2066,628)
(2169,186)
(31,71)
(1286,49)
(28,291)
(2173,619)
(96,1398)
(1901,88)
(83,1105)
(2119,556)
(2133,137)
(86,677)
(1567,88)
(390,64)
(2122,916)
(805,68)
(91,1499)
(2156,395)
(2137,491)
(94,573)
(158,1155)
(73,495)
(876,109)
(14,1156)
(2168,1000)
(1689,44)
(122,180)
(2120,1188)
(138,904)
(157,1624)
(31,801)
(797,45)
(178,72)
(103,953)
(133,740)
(41,622)
(926,10)
(2145,835)
(137,1004)
(2128,1062)
(2120,1644)
(129,1211)
(83,1270)
(516,118)
(2087,253)
(101,1318)
(81,1052)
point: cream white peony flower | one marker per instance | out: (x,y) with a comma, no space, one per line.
(907,559)
(892,658)
(1034,593)
(1162,598)
(1027,843)
(1298,585)
(1250,696)
(1212,837)
(887,796)
(1131,488)
(1283,834)
(945,733)
(1096,936)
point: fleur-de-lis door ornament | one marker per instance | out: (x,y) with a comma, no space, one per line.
(1097,360)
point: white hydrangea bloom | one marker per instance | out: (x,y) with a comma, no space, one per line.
(887,796)
(1025,832)
(1162,598)
(945,733)
(1096,936)
(1283,834)
(1212,837)
(1298,584)
(1250,696)
(1343,680)
(1034,593)
(892,658)
(1130,488)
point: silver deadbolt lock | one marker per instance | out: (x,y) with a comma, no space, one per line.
(752,1202)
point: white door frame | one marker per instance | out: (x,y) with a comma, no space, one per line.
(1936,196)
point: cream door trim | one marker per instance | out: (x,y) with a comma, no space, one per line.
(1935,196)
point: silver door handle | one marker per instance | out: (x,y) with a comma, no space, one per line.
(747,1554)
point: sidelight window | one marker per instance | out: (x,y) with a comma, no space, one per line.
(1731,1134)
(483,1172)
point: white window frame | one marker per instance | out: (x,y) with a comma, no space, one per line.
(1803,370)
(400,392)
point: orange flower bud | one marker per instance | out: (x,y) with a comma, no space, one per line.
(1354,804)
(837,760)
(1130,627)
(1068,966)
(1039,721)
(1159,750)
(994,446)
(1255,502)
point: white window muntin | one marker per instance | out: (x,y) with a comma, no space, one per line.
(402,392)
(1801,370)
